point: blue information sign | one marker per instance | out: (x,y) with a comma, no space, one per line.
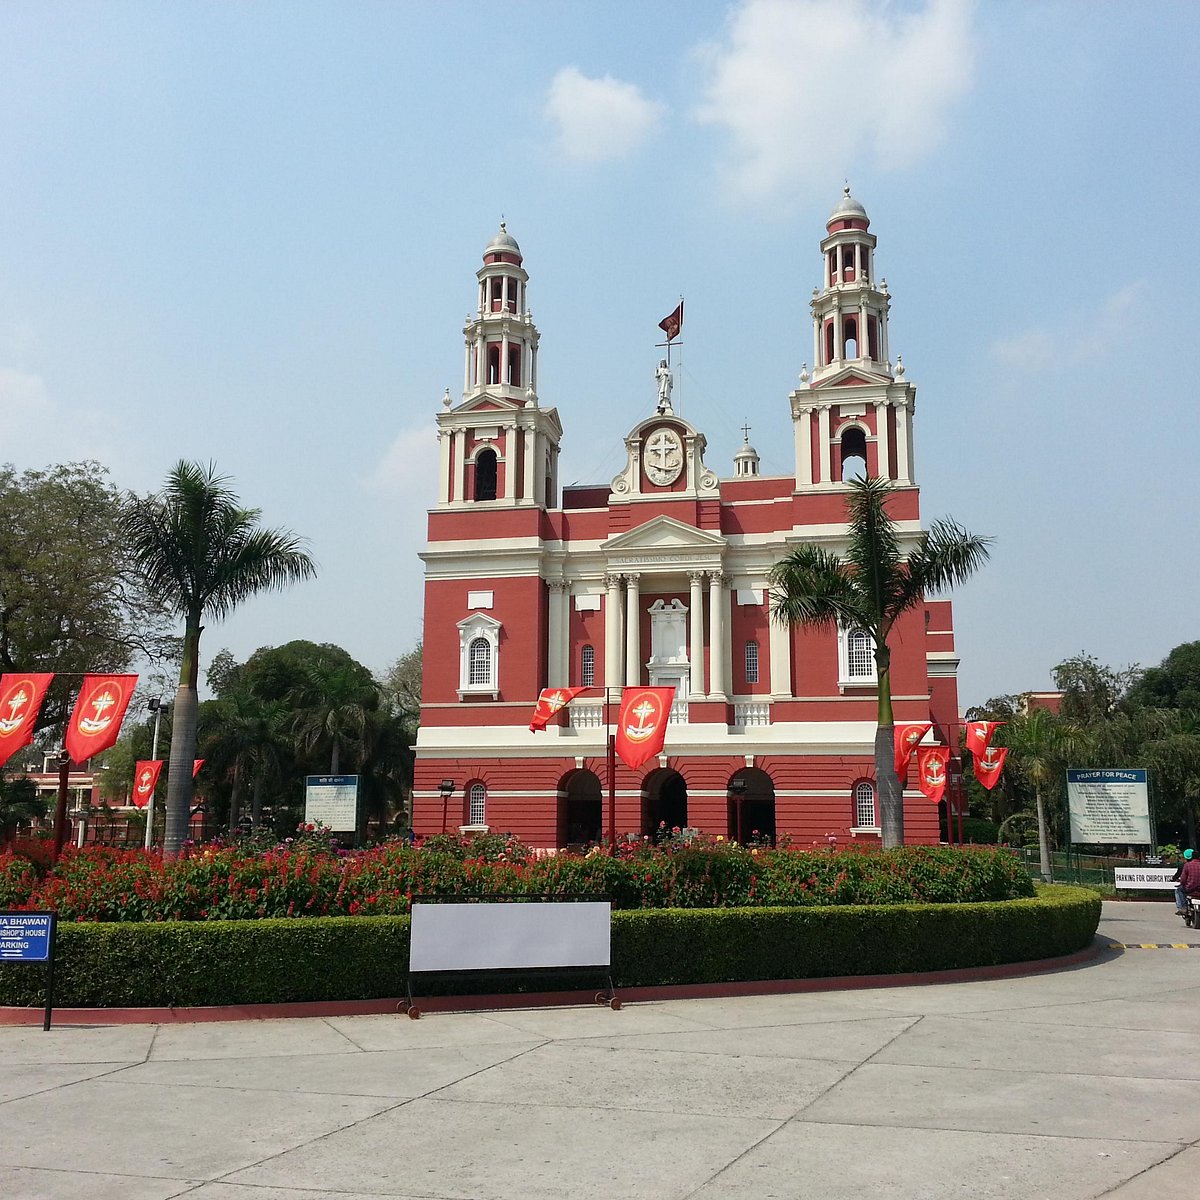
(25,937)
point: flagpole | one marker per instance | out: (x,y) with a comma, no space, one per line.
(612,772)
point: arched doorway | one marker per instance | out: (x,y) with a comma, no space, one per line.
(580,809)
(664,802)
(752,807)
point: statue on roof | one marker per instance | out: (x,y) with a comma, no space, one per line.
(662,375)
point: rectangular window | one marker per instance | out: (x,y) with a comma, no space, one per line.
(751,662)
(587,667)
(859,658)
(476,814)
(864,806)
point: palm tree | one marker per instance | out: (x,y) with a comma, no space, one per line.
(203,554)
(869,588)
(1040,745)
(247,739)
(332,704)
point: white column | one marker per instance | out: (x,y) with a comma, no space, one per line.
(633,631)
(718,649)
(883,334)
(881,439)
(510,462)
(804,462)
(824,471)
(557,637)
(839,347)
(696,636)
(613,657)
(444,437)
(480,358)
(903,453)
(781,659)
(504,359)
(468,355)
(818,338)
(457,473)
(528,492)
(864,342)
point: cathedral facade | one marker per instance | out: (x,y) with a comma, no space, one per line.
(660,576)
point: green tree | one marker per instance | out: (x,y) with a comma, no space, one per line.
(19,801)
(204,554)
(245,739)
(1174,683)
(1041,745)
(869,587)
(71,598)
(401,686)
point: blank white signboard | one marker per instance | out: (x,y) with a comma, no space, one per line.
(481,937)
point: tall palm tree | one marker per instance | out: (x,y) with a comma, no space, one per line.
(203,554)
(1041,745)
(245,738)
(332,703)
(870,587)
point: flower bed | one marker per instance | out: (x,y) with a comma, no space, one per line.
(228,883)
(340,958)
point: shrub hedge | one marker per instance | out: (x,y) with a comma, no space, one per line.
(226,883)
(347,958)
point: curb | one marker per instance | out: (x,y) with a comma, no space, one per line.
(447,1004)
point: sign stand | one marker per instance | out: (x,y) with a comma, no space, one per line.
(29,937)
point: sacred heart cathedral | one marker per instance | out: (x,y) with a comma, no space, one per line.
(660,577)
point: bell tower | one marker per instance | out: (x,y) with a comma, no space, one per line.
(498,446)
(853,413)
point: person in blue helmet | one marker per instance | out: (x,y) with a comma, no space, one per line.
(1181,902)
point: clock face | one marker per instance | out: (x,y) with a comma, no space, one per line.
(664,457)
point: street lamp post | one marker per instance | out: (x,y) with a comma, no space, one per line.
(446,788)
(155,706)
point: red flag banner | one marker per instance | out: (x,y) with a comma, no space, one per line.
(550,702)
(979,736)
(907,737)
(197,763)
(145,780)
(931,770)
(989,764)
(20,701)
(673,324)
(98,714)
(642,724)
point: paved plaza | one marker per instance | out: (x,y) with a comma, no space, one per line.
(1077,1083)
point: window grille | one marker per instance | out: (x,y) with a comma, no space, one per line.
(587,666)
(480,671)
(751,662)
(864,806)
(477,805)
(859,659)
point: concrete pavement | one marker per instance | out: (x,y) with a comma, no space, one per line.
(1080,1083)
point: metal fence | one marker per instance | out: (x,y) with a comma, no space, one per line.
(1093,870)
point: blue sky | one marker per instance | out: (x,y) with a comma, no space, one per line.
(249,232)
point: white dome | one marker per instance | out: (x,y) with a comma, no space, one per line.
(503,243)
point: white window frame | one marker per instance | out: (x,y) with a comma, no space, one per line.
(845,678)
(587,666)
(752,660)
(477,806)
(470,630)
(858,798)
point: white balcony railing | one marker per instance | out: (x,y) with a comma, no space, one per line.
(679,713)
(586,714)
(752,712)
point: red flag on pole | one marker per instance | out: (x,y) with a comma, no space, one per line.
(98,714)
(20,701)
(673,324)
(907,737)
(642,723)
(145,780)
(549,702)
(979,736)
(931,770)
(989,764)
(197,763)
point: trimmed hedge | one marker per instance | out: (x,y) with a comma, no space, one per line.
(353,958)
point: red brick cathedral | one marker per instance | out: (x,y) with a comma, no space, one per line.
(660,576)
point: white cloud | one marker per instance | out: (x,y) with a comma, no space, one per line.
(1080,338)
(809,88)
(408,469)
(599,119)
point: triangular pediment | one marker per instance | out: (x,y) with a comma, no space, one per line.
(667,535)
(852,377)
(485,402)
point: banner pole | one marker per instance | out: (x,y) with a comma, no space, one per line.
(612,773)
(60,807)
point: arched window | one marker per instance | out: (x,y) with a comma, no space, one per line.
(493,364)
(856,657)
(751,662)
(479,657)
(864,806)
(587,666)
(854,454)
(479,673)
(850,336)
(485,475)
(477,804)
